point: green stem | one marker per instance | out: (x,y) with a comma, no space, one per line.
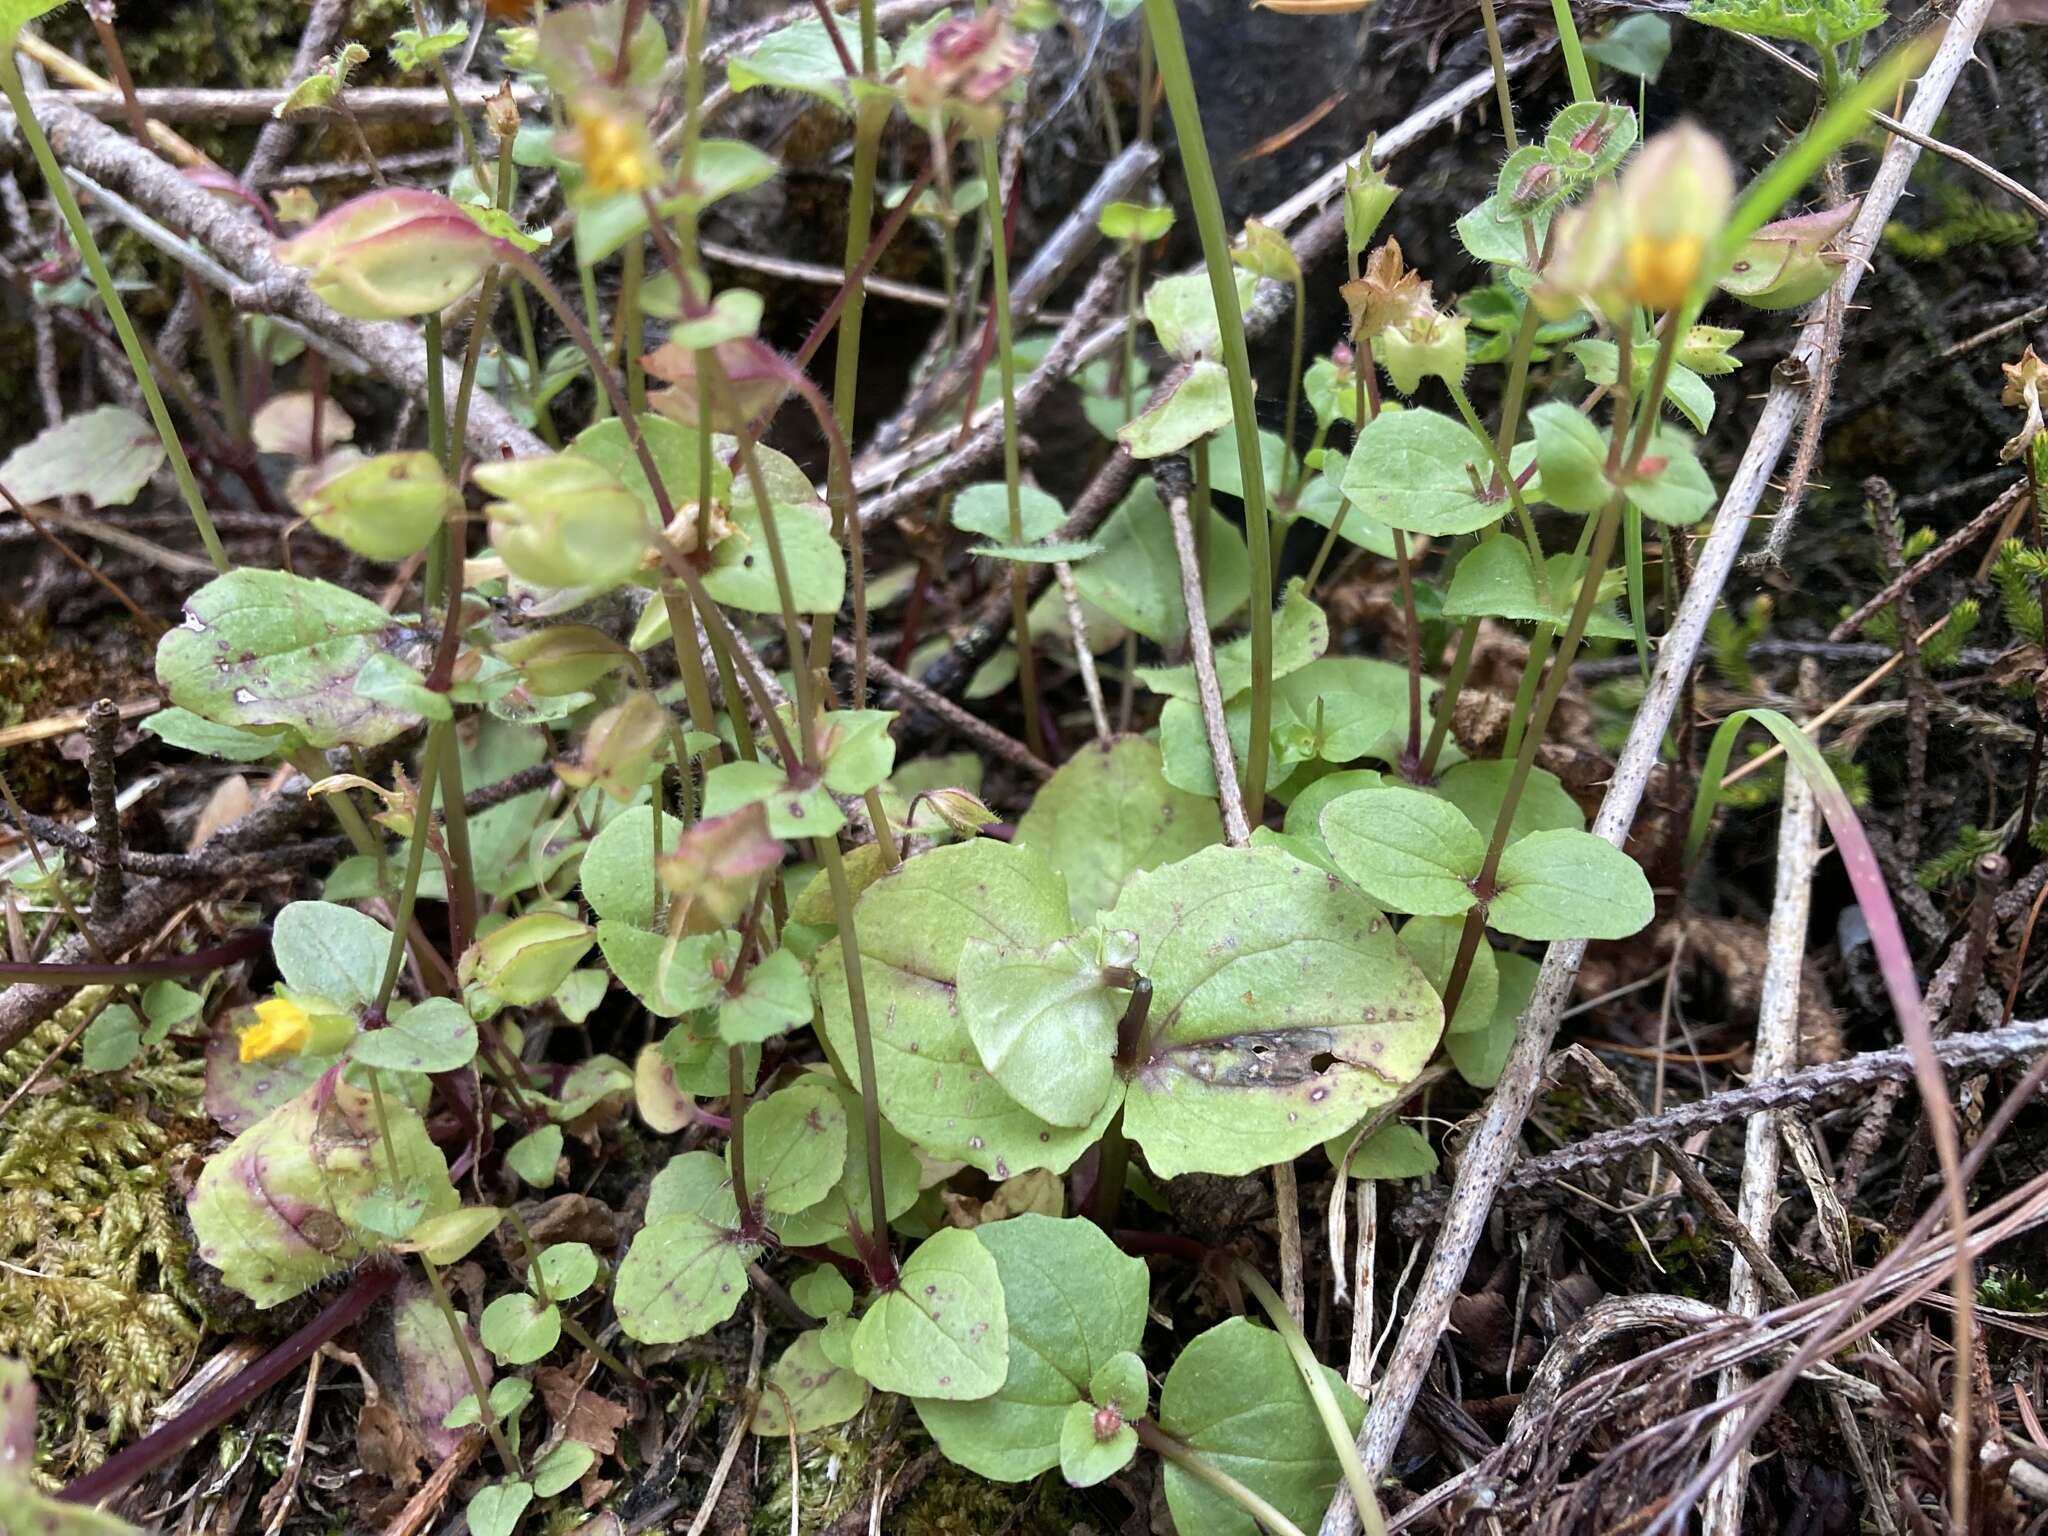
(1162,24)
(1172,1448)
(529,351)
(863,1045)
(1500,75)
(1290,466)
(1506,476)
(1525,690)
(1317,1381)
(630,329)
(221,362)
(432,761)
(314,766)
(1112,1164)
(1447,701)
(1574,55)
(1013,474)
(103,281)
(1525,760)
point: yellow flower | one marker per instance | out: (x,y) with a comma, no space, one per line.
(282,1028)
(613,148)
(1661,271)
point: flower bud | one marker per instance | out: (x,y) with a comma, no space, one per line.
(524,962)
(967,63)
(501,113)
(1675,197)
(1266,253)
(1367,197)
(716,866)
(1791,262)
(619,747)
(1422,347)
(963,814)
(563,658)
(383,508)
(1705,350)
(1585,260)
(756,382)
(564,520)
(290,1025)
(392,254)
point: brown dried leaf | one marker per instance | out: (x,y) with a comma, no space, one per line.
(581,1413)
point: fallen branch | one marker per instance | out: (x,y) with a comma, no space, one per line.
(259,282)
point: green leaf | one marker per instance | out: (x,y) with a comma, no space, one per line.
(1492,233)
(1494,579)
(1413,470)
(508,1396)
(693,1184)
(985,509)
(519,1329)
(823,1292)
(913,925)
(195,733)
(682,1276)
(534,1156)
(1364,705)
(796,1146)
(857,748)
(1143,222)
(1282,1010)
(16,14)
(1432,943)
(437,1035)
(1197,406)
(1300,634)
(1480,1054)
(1182,312)
(742,576)
(1570,885)
(112,1040)
(1044,1023)
(329,951)
(1679,493)
(673,449)
(1479,789)
(807,1392)
(1405,848)
(1571,456)
(567,1270)
(1074,1304)
(793,811)
(775,1000)
(1321,500)
(1684,390)
(557,1471)
(275,1210)
(618,867)
(1107,813)
(263,648)
(1236,1397)
(411,49)
(1135,576)
(1394,1151)
(1086,1457)
(105,455)
(846,1209)
(448,1238)
(496,1507)
(795,58)
(943,1331)
(1305,812)
(1636,45)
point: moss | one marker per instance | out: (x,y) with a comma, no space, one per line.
(93,1288)
(954,1502)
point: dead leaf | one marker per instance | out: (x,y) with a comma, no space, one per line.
(231,800)
(386,1447)
(581,1413)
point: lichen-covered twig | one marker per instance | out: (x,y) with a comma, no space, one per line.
(1807,1089)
